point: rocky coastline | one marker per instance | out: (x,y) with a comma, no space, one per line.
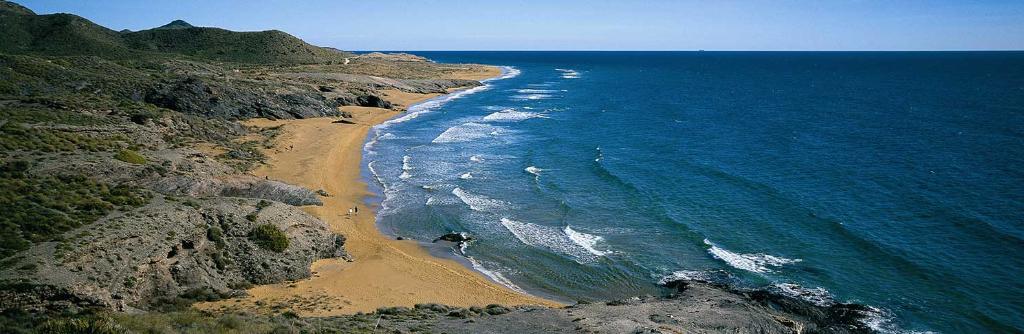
(128,170)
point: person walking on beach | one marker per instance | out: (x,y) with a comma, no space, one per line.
(349,213)
(356,210)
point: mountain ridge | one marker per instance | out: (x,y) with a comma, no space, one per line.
(24,32)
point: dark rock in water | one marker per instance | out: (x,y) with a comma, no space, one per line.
(454,237)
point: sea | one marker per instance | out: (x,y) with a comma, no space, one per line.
(890,179)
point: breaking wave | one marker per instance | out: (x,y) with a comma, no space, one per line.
(758,263)
(467,132)
(479,202)
(587,241)
(555,239)
(532,96)
(512,115)
(568,74)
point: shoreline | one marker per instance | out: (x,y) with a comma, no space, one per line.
(385,272)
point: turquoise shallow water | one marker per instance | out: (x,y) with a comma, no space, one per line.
(894,180)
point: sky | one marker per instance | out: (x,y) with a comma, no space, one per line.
(588,24)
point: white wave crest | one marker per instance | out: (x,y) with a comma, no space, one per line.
(533,170)
(882,321)
(466,176)
(532,96)
(757,263)
(507,72)
(493,275)
(467,132)
(587,241)
(430,105)
(476,158)
(817,296)
(479,202)
(551,238)
(405,163)
(512,115)
(568,74)
(535,91)
(695,275)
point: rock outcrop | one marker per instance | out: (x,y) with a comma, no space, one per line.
(198,96)
(164,251)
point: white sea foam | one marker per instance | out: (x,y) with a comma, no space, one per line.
(535,91)
(466,176)
(551,238)
(512,115)
(476,158)
(494,275)
(687,276)
(507,72)
(587,241)
(479,202)
(817,296)
(532,96)
(882,321)
(568,74)
(405,163)
(533,170)
(468,132)
(757,263)
(405,175)
(430,105)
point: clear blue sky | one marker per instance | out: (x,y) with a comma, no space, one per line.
(589,25)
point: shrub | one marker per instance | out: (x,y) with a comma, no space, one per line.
(130,156)
(269,237)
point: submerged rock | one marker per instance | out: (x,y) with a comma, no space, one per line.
(454,237)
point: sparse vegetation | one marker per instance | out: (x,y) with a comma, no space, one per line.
(40,208)
(269,237)
(131,157)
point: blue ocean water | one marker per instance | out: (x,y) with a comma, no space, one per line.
(895,180)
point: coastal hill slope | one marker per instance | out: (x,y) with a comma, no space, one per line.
(23,32)
(262,47)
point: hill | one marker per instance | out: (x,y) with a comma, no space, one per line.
(24,32)
(261,47)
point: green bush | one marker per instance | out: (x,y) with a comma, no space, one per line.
(130,156)
(269,237)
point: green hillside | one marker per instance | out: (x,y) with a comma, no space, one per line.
(260,47)
(24,32)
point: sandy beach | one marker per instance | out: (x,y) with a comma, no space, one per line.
(318,154)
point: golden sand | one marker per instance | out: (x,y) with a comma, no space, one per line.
(318,154)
